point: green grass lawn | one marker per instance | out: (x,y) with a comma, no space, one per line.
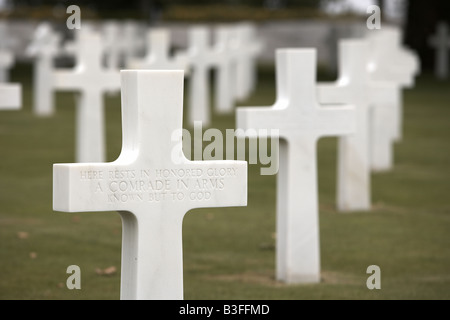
(229,253)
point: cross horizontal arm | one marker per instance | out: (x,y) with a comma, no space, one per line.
(81,79)
(260,118)
(10,96)
(109,187)
(384,93)
(334,121)
(84,187)
(152,185)
(6,59)
(67,80)
(333,93)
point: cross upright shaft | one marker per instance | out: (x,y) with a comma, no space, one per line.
(202,58)
(355,87)
(44,48)
(10,96)
(158,56)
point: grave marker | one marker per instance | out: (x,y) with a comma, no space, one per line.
(6,63)
(44,47)
(152,185)
(112,44)
(249,48)
(10,93)
(441,43)
(354,87)
(301,121)
(388,63)
(393,62)
(398,63)
(202,57)
(226,69)
(92,81)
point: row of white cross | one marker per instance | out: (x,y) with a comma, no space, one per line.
(230,56)
(235,44)
(152,193)
(365,123)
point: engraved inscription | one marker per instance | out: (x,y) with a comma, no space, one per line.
(156,185)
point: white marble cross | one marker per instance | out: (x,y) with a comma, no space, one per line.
(395,63)
(301,121)
(44,47)
(92,81)
(202,58)
(354,87)
(403,67)
(6,62)
(152,185)
(250,46)
(441,43)
(387,65)
(10,96)
(226,69)
(7,58)
(158,54)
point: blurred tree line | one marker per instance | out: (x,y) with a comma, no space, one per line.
(421,16)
